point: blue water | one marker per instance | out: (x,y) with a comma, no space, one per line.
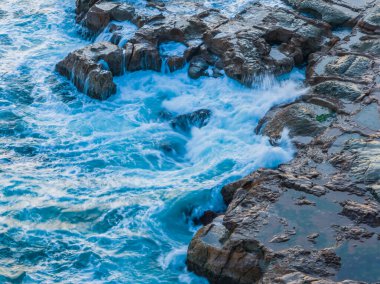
(89,191)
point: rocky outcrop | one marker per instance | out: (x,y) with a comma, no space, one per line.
(283,225)
(259,40)
(287,225)
(92,68)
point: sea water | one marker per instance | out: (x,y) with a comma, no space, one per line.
(106,192)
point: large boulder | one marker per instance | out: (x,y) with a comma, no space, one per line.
(91,69)
(301,119)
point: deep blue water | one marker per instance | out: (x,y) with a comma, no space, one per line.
(89,192)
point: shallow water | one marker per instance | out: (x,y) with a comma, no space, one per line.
(105,192)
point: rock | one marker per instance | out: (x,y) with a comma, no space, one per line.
(312,237)
(368,213)
(244,43)
(82,7)
(301,119)
(207,217)
(280,238)
(325,10)
(340,90)
(303,201)
(352,233)
(185,122)
(143,56)
(197,68)
(85,69)
(338,127)
(98,16)
(230,259)
(343,68)
(371,22)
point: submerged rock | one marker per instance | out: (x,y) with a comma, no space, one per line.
(185,122)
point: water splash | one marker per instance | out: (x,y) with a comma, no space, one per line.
(89,191)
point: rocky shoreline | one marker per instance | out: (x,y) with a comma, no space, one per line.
(284,225)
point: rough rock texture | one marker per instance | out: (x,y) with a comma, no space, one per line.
(91,69)
(284,225)
(185,122)
(287,225)
(258,40)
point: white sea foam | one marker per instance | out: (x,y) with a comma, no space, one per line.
(89,187)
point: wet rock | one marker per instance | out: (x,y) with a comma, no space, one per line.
(280,238)
(301,119)
(352,233)
(302,201)
(197,68)
(185,122)
(336,89)
(371,22)
(312,237)
(99,14)
(209,255)
(368,213)
(98,17)
(82,7)
(86,69)
(229,258)
(142,56)
(244,43)
(325,10)
(206,218)
(344,68)
(366,164)
(338,107)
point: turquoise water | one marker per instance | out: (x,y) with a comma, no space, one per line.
(89,190)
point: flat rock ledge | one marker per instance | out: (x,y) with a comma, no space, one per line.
(295,224)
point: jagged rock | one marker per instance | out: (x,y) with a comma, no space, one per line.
(325,10)
(303,201)
(337,89)
(312,237)
(85,69)
(226,258)
(301,119)
(345,68)
(98,17)
(198,67)
(368,213)
(207,217)
(331,165)
(243,43)
(352,233)
(371,22)
(100,13)
(185,122)
(280,238)
(82,7)
(142,56)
